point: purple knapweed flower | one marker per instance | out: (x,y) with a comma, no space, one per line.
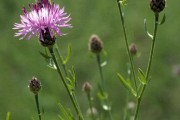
(44,20)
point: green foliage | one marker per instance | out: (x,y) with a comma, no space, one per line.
(20,60)
(163,20)
(146,30)
(8,116)
(127,84)
(65,60)
(142,77)
(102,96)
(65,114)
(71,80)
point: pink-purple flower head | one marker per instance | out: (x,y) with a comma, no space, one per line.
(44,20)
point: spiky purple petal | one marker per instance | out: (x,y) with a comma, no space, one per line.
(40,17)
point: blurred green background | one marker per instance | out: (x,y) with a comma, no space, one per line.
(20,60)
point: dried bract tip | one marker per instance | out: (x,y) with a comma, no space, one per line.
(157,5)
(34,85)
(87,87)
(95,44)
(133,49)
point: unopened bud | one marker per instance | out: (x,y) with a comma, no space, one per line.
(95,44)
(157,5)
(133,49)
(34,85)
(87,87)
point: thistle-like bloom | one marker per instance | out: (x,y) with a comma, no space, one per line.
(44,20)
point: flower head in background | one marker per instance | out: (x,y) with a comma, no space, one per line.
(95,44)
(87,87)
(44,20)
(34,85)
(133,49)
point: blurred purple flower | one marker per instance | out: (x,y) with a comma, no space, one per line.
(43,17)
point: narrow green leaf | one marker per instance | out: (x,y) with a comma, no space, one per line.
(69,55)
(69,80)
(66,115)
(140,86)
(73,75)
(104,53)
(101,94)
(142,77)
(163,20)
(8,116)
(71,88)
(61,118)
(70,84)
(127,84)
(145,27)
(44,55)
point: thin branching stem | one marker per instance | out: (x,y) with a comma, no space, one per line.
(72,97)
(66,73)
(37,105)
(127,45)
(149,65)
(100,71)
(103,85)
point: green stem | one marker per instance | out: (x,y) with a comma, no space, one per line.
(100,71)
(65,71)
(127,45)
(103,85)
(37,105)
(71,95)
(90,105)
(149,65)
